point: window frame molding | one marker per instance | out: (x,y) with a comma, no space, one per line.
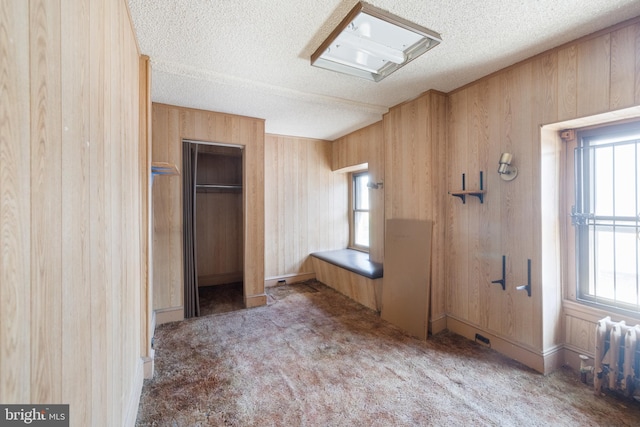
(352,211)
(558,287)
(569,249)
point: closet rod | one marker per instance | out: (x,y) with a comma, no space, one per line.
(224,186)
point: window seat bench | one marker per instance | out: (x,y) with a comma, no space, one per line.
(351,273)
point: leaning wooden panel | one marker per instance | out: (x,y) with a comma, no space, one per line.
(407,275)
(15,230)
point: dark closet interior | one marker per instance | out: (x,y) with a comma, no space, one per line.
(218,226)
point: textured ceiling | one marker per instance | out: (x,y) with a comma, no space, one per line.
(252,57)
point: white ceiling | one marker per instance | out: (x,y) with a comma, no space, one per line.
(251,57)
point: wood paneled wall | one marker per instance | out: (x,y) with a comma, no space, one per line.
(171,125)
(503,113)
(306,204)
(71,203)
(415,184)
(366,145)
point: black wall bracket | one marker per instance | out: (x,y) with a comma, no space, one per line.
(503,281)
(527,287)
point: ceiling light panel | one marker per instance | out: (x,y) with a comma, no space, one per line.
(371,43)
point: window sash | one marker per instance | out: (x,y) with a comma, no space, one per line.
(607,217)
(360,211)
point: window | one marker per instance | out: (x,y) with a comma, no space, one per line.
(360,211)
(606,216)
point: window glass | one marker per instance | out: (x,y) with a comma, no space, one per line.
(607,216)
(360,232)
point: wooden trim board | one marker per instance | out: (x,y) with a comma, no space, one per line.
(288,279)
(167,315)
(543,363)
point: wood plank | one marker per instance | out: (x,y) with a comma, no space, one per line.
(593,75)
(361,289)
(567,83)
(623,66)
(544,74)
(438,209)
(15,227)
(113,177)
(146,232)
(99,272)
(457,213)
(491,242)
(517,209)
(580,333)
(46,175)
(475,140)
(75,203)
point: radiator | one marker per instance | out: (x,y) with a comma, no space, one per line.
(617,357)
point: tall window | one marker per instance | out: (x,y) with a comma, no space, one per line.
(607,216)
(360,211)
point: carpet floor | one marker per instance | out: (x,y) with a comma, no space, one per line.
(312,357)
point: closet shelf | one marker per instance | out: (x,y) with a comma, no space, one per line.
(163,168)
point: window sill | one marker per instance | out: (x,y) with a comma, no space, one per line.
(593,314)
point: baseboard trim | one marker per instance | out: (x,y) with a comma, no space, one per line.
(148,365)
(252,301)
(153,325)
(288,278)
(220,279)
(437,325)
(531,358)
(132,405)
(167,315)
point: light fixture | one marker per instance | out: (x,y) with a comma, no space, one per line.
(506,171)
(372,43)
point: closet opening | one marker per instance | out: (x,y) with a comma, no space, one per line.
(213,228)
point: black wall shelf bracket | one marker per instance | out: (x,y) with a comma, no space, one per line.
(503,281)
(462,194)
(527,287)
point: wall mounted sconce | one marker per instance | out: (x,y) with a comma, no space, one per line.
(506,171)
(375,185)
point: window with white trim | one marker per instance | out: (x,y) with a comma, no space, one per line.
(606,216)
(360,211)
